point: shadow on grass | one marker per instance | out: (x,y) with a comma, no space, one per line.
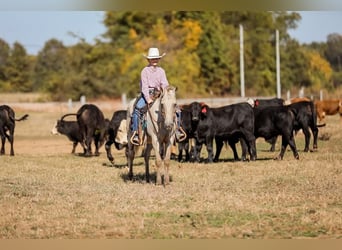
(141,178)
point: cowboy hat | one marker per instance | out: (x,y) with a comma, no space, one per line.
(153,53)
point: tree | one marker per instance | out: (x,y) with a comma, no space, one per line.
(4,55)
(50,70)
(18,70)
(334,51)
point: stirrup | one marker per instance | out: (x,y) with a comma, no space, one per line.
(182,135)
(137,143)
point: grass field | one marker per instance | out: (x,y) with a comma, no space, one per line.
(48,193)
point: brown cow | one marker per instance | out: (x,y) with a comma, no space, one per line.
(328,107)
(297,99)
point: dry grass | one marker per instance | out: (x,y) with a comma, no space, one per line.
(47,193)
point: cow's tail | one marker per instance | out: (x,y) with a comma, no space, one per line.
(314,116)
(70,114)
(24,117)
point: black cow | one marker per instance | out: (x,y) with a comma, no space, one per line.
(93,126)
(187,124)
(227,122)
(7,123)
(306,118)
(269,102)
(278,102)
(273,121)
(117,133)
(71,130)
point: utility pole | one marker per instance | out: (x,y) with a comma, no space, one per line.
(278,65)
(242,71)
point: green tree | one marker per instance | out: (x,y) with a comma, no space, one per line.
(4,55)
(50,70)
(334,51)
(18,69)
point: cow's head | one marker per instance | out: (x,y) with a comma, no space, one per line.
(54,129)
(195,110)
(198,111)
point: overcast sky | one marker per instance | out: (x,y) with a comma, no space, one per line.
(33,28)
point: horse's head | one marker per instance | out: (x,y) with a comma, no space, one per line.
(168,104)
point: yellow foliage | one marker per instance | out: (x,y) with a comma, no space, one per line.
(132,34)
(193,33)
(159,32)
(320,71)
(317,63)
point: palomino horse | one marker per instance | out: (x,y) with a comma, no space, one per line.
(160,130)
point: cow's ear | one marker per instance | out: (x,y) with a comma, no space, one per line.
(204,109)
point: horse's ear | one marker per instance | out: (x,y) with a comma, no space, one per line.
(172,87)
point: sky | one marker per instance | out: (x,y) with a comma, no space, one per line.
(33,28)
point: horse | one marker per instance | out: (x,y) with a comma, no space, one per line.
(160,134)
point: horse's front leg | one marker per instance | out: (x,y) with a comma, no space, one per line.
(167,164)
(158,161)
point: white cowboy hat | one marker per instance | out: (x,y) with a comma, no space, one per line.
(153,53)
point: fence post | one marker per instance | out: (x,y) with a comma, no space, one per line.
(82,100)
(70,104)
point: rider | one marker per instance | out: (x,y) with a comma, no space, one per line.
(153,78)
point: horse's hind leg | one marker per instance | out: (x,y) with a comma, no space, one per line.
(147,153)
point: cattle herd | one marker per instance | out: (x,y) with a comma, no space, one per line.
(239,123)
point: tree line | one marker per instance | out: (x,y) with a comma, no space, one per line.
(202,57)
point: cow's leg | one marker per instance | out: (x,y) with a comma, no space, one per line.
(307,139)
(130,157)
(74,145)
(209,142)
(250,140)
(187,150)
(97,143)
(284,143)
(314,130)
(288,140)
(244,148)
(197,151)
(293,147)
(219,145)
(88,141)
(11,140)
(232,145)
(109,151)
(273,142)
(3,140)
(181,146)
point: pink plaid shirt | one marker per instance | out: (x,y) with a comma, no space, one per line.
(152,77)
